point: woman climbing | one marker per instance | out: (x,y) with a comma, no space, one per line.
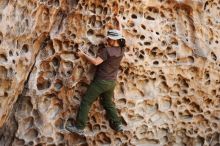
(107,62)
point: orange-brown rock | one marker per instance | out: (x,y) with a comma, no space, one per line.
(168,86)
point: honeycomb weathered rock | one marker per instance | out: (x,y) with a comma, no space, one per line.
(168,86)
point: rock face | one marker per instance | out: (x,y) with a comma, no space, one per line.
(168,86)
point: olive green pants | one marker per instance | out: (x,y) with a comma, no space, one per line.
(104,89)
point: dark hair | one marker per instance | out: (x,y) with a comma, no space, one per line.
(122,43)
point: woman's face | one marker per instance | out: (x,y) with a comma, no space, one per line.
(112,42)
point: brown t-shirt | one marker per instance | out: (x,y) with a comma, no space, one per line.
(108,69)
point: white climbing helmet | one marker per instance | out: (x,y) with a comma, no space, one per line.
(114,34)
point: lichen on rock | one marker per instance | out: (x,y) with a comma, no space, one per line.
(167,90)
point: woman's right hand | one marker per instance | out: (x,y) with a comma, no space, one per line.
(80,53)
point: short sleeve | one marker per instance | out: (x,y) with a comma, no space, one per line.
(102,53)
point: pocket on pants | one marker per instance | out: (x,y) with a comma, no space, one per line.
(105,84)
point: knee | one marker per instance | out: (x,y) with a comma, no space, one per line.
(108,105)
(86,102)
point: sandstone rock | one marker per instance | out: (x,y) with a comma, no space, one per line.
(167,90)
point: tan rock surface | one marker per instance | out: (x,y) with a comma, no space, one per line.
(167,88)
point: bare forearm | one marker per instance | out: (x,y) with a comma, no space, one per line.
(89,58)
